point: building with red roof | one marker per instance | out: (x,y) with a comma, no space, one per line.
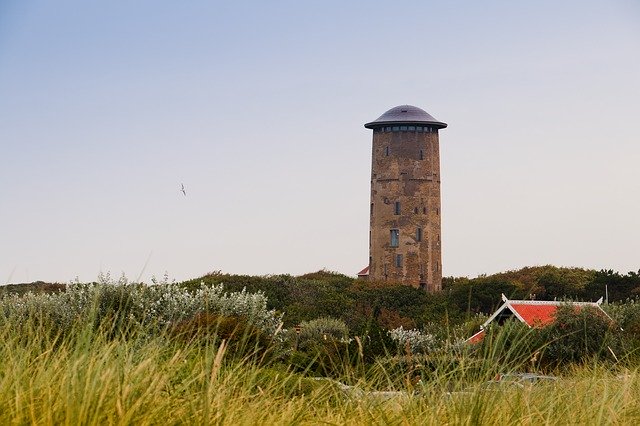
(534,313)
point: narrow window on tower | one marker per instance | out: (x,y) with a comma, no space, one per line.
(437,210)
(419,234)
(403,128)
(415,210)
(371,209)
(396,210)
(395,237)
(422,154)
(386,151)
(398,261)
(424,210)
(412,128)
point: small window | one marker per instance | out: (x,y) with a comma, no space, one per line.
(412,128)
(398,261)
(395,237)
(421,154)
(419,128)
(387,129)
(395,128)
(386,151)
(371,209)
(424,210)
(437,210)
(403,128)
(396,210)
(415,210)
(419,234)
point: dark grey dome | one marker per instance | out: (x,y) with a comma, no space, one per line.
(406,114)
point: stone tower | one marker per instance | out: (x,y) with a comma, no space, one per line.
(405,240)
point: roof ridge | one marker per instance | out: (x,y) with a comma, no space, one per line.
(549,302)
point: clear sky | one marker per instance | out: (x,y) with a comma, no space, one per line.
(258,107)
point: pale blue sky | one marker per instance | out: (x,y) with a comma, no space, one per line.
(258,108)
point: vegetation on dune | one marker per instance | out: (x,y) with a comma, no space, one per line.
(321,347)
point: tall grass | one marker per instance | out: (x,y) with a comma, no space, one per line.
(94,368)
(91,378)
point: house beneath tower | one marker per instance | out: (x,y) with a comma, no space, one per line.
(405,232)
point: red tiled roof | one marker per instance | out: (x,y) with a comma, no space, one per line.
(365,271)
(535,315)
(476,338)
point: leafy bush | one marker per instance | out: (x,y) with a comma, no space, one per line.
(578,335)
(414,341)
(322,346)
(121,306)
(241,338)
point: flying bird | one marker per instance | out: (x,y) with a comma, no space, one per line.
(184,191)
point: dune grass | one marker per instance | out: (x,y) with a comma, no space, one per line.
(89,377)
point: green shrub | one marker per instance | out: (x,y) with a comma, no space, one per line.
(578,335)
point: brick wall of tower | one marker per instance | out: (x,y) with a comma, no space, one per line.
(398,174)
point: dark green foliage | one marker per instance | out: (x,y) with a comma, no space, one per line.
(114,311)
(35,287)
(578,335)
(242,339)
(619,287)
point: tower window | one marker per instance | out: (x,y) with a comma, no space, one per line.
(395,237)
(437,210)
(371,209)
(424,210)
(395,128)
(403,128)
(396,210)
(422,154)
(419,234)
(419,128)
(398,261)
(387,129)
(386,151)
(415,210)
(412,128)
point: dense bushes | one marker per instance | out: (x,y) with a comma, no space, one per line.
(121,306)
(341,319)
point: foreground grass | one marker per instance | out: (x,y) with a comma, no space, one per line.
(88,379)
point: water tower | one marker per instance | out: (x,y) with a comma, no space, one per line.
(405,238)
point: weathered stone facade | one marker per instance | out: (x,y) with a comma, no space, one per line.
(405,237)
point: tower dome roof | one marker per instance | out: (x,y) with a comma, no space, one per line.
(405,114)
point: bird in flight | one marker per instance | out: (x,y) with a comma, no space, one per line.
(184,191)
